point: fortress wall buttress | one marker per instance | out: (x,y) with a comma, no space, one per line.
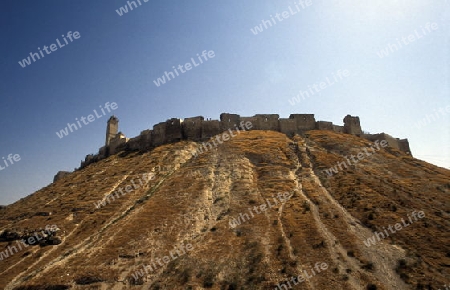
(253,120)
(134,144)
(305,122)
(158,134)
(403,145)
(116,144)
(229,121)
(192,128)
(211,128)
(174,131)
(145,141)
(268,122)
(288,126)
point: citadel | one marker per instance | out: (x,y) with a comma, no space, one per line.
(198,129)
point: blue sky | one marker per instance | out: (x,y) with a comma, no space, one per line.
(116,58)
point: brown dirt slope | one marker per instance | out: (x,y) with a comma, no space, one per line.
(130,242)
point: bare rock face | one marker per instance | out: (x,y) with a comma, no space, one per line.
(257,211)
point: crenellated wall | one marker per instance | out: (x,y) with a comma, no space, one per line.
(267,122)
(198,129)
(338,129)
(305,122)
(323,125)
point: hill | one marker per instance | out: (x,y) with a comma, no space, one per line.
(251,213)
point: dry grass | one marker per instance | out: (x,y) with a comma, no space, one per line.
(109,243)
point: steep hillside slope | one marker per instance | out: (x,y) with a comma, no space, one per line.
(251,213)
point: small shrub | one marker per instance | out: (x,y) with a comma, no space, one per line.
(184,277)
(155,286)
(209,281)
(368,266)
(306,206)
(86,280)
(279,249)
(319,245)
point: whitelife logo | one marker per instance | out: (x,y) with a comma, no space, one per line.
(319,267)
(180,250)
(406,40)
(318,87)
(35,56)
(29,241)
(380,235)
(11,158)
(124,9)
(433,117)
(243,217)
(225,137)
(266,24)
(146,177)
(187,66)
(90,118)
(334,170)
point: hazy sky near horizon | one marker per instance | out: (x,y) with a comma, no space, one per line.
(396,54)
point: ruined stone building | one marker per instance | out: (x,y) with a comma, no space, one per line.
(198,129)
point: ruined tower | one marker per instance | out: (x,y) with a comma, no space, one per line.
(111,129)
(352,125)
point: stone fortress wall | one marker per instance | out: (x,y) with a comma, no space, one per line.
(198,129)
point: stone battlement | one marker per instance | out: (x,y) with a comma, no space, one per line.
(198,129)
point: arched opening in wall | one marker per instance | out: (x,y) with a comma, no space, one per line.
(265,120)
(304,118)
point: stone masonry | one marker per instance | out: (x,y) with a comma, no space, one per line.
(198,129)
